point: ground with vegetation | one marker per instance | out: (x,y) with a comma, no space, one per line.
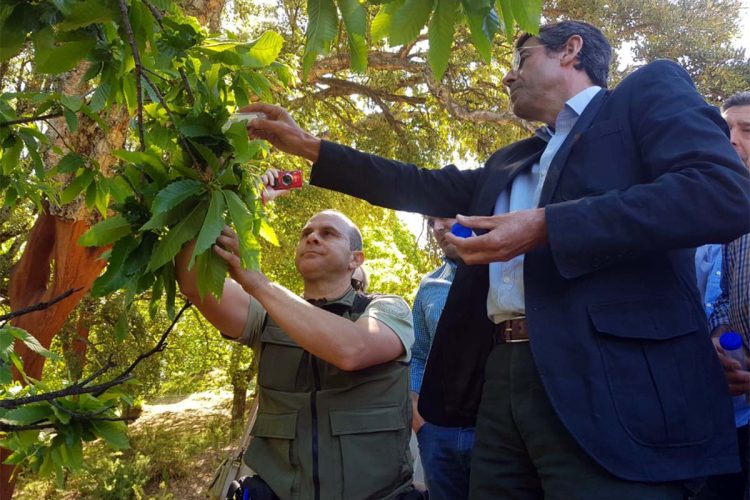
(176,445)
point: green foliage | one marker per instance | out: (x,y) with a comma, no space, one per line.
(47,435)
(404,20)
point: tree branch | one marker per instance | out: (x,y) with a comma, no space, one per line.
(96,390)
(158,16)
(30,119)
(39,306)
(171,117)
(138,70)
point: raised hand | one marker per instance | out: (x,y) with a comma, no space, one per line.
(228,248)
(282,131)
(268,179)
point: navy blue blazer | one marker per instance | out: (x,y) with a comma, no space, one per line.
(614,316)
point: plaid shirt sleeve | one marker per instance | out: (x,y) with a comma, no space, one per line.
(720,314)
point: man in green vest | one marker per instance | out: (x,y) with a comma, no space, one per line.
(334,412)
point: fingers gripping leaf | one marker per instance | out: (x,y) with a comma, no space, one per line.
(211,226)
(242,220)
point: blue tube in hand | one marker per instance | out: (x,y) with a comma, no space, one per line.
(460,231)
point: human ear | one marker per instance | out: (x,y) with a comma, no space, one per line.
(358,258)
(571,50)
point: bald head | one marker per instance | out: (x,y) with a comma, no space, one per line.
(352,231)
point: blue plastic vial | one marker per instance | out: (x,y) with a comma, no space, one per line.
(731,342)
(460,231)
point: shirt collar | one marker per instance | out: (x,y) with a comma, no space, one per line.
(575,105)
(346,299)
(578,102)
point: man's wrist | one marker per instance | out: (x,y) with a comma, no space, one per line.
(311,147)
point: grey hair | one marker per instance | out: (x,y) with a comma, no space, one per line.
(738,99)
(595,54)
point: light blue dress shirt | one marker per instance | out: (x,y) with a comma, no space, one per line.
(505,298)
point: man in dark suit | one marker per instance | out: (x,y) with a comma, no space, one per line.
(601,380)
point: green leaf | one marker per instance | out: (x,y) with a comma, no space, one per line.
(71,119)
(105,232)
(56,54)
(12,39)
(267,233)
(86,12)
(408,22)
(506,9)
(354,17)
(114,277)
(31,342)
(184,231)
(175,193)
(112,432)
(442,27)
(72,102)
(100,97)
(483,28)
(77,186)
(242,219)
(212,226)
(28,414)
(62,416)
(121,326)
(322,26)
(29,136)
(265,49)
(211,271)
(381,25)
(527,14)
(70,163)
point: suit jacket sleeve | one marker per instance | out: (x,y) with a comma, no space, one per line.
(695,188)
(388,183)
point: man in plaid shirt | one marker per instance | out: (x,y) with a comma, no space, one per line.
(732,308)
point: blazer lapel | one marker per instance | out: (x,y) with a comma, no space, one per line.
(560,159)
(498,179)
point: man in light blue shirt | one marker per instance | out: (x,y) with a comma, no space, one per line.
(445,451)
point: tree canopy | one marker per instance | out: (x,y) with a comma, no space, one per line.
(112,115)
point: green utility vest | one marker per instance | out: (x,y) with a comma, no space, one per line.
(323,433)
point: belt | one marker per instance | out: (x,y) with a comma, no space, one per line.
(512,330)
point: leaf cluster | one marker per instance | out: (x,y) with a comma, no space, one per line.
(403,21)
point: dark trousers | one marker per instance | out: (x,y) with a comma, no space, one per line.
(522,450)
(729,486)
(446,459)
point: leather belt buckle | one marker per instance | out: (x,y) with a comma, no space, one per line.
(512,331)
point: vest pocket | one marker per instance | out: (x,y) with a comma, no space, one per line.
(370,452)
(271,453)
(652,361)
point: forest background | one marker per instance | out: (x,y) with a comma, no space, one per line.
(426,108)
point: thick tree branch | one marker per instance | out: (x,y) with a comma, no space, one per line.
(39,306)
(30,119)
(411,64)
(98,389)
